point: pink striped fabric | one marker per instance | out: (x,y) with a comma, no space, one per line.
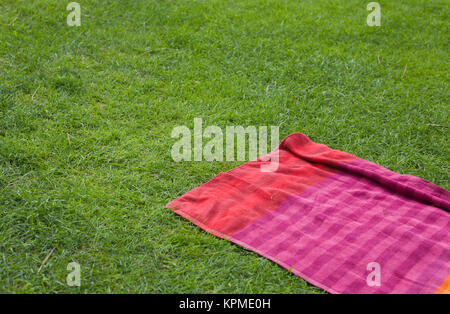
(336,216)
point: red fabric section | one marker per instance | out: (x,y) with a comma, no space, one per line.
(234,199)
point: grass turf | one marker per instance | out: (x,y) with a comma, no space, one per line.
(86,114)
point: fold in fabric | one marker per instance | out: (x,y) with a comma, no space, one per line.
(342,223)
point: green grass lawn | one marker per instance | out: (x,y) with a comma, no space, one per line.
(86,115)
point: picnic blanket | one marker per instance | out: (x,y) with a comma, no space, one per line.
(329,217)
